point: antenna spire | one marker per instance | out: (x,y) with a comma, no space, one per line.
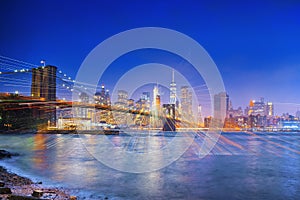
(173,77)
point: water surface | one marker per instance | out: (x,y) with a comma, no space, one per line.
(240,166)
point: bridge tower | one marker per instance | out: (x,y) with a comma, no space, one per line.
(44,82)
(43,85)
(169,117)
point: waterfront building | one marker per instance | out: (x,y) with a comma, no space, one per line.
(122,98)
(102,99)
(291,125)
(221,105)
(130,104)
(14,115)
(82,110)
(232,113)
(270,109)
(257,107)
(263,112)
(199,117)
(142,108)
(207,121)
(83,97)
(298,114)
(145,99)
(257,121)
(120,115)
(156,111)
(186,104)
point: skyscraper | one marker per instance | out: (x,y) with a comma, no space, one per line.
(221,105)
(155,119)
(258,113)
(186,102)
(173,95)
(102,97)
(257,108)
(122,98)
(156,99)
(84,98)
(143,108)
(199,116)
(122,103)
(270,109)
(146,100)
(44,82)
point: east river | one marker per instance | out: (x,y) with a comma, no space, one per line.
(240,166)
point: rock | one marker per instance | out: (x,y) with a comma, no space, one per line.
(17,197)
(5,190)
(2,184)
(37,193)
(6,154)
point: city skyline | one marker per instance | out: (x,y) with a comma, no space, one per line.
(165,93)
(255,45)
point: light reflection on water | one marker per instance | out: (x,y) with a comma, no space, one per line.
(241,166)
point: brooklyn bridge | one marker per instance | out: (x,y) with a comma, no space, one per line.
(41,97)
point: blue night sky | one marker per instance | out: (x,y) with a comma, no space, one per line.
(255,44)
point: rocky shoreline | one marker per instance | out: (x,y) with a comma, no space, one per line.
(15,187)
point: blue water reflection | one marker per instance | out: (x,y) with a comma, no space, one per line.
(241,166)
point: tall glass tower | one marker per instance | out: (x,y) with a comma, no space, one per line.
(173,90)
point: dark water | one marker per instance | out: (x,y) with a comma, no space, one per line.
(240,166)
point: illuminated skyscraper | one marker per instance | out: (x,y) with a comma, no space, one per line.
(270,109)
(199,116)
(221,105)
(155,120)
(84,98)
(146,96)
(146,100)
(257,108)
(122,103)
(122,98)
(173,95)
(44,82)
(258,112)
(82,111)
(102,97)
(186,102)
(143,108)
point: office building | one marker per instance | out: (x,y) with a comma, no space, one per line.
(270,109)
(221,105)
